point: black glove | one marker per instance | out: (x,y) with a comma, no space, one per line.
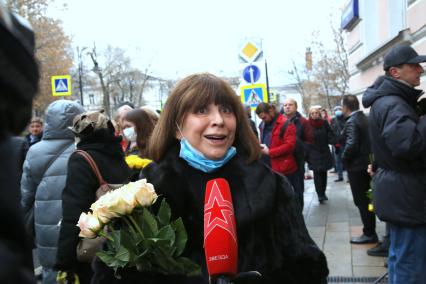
(421,105)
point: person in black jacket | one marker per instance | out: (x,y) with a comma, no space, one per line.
(96,134)
(19,78)
(35,129)
(337,124)
(319,156)
(202,134)
(253,126)
(355,157)
(398,136)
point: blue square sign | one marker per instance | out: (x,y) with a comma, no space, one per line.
(254,94)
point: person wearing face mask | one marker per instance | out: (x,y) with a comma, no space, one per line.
(203,133)
(124,108)
(138,125)
(130,135)
(337,125)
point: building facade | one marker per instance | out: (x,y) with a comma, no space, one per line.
(373,27)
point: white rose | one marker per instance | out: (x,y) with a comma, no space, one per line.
(102,207)
(89,225)
(123,202)
(145,194)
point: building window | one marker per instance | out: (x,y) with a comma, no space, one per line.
(396,17)
(370,20)
(91,99)
(409,2)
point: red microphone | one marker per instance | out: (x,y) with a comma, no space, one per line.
(220,231)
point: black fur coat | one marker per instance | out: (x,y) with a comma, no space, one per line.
(272,236)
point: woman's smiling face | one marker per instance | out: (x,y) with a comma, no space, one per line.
(210,130)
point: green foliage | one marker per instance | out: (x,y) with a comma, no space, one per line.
(153,243)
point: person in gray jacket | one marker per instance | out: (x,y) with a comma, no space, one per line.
(43,180)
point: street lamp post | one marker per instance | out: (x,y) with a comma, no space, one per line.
(80,71)
(98,71)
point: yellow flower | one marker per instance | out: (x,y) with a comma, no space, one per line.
(136,162)
(370,207)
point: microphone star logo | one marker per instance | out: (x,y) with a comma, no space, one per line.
(219,212)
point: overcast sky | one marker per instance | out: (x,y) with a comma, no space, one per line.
(179,37)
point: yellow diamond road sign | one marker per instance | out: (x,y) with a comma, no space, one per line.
(250,51)
(61,85)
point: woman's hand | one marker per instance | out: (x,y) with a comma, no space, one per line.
(370,170)
(264,149)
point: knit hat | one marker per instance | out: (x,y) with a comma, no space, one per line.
(337,108)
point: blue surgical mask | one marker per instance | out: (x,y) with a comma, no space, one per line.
(339,113)
(130,134)
(198,161)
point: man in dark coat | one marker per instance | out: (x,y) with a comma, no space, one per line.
(355,157)
(398,136)
(247,108)
(304,137)
(337,125)
(35,130)
(18,85)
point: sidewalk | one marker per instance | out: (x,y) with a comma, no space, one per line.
(332,224)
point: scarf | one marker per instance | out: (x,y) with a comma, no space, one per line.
(317,123)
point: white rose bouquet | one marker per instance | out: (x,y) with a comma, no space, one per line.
(135,237)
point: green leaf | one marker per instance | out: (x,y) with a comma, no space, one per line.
(129,240)
(167,233)
(164,213)
(190,267)
(116,236)
(144,265)
(122,254)
(106,257)
(150,226)
(166,263)
(181,236)
(153,243)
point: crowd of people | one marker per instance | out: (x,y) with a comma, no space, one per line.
(55,173)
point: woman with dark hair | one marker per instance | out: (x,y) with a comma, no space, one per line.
(137,127)
(202,134)
(96,136)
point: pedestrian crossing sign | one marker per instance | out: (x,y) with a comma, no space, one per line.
(254,94)
(61,85)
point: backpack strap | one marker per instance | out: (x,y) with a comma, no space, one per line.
(93,165)
(284,128)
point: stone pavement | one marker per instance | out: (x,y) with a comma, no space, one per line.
(332,224)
